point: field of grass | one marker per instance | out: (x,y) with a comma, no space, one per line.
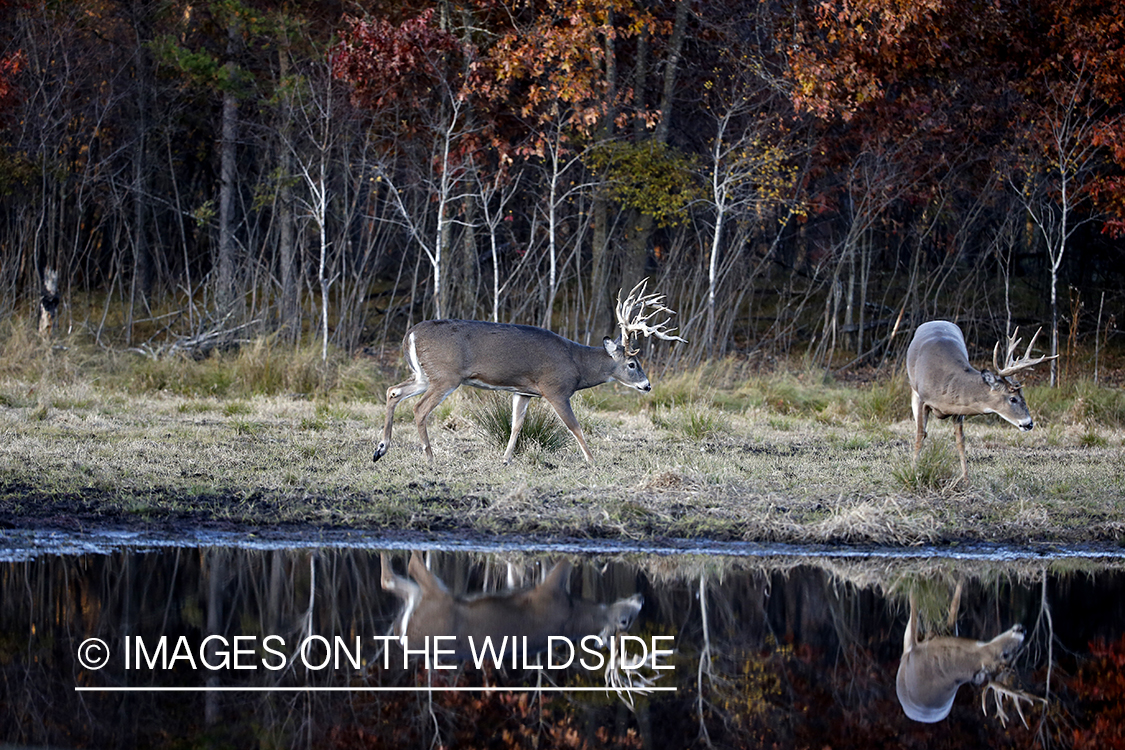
(264,436)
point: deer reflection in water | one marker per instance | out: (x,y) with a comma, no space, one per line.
(526,617)
(931,671)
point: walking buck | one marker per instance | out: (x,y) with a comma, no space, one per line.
(943,382)
(526,360)
(520,621)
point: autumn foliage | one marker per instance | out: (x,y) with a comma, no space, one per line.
(390,64)
(829,172)
(1100,688)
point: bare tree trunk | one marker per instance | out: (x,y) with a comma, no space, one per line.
(287,249)
(600,293)
(469,269)
(671,67)
(641,224)
(142,253)
(226,268)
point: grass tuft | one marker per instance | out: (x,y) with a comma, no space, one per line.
(694,421)
(886,401)
(492,415)
(938,467)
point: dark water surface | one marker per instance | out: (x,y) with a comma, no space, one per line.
(237,641)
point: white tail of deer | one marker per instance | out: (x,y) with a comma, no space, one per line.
(931,671)
(525,360)
(943,382)
(534,614)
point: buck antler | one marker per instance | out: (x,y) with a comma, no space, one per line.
(1000,692)
(1013,366)
(623,677)
(633,318)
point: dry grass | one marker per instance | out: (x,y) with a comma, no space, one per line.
(753,459)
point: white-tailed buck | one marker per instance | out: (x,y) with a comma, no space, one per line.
(943,382)
(931,671)
(534,614)
(526,360)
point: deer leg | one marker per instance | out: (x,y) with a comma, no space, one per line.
(951,620)
(387,578)
(434,395)
(566,414)
(921,415)
(910,637)
(407,590)
(397,393)
(519,411)
(959,434)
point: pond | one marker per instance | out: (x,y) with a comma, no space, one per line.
(235,640)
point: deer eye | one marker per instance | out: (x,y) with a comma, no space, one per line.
(1014,400)
(632,365)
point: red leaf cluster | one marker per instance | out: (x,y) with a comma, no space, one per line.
(1100,687)
(388,64)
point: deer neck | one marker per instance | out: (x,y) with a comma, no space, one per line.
(594,366)
(962,391)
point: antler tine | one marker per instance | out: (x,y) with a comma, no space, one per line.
(1012,342)
(633,318)
(1016,696)
(1013,366)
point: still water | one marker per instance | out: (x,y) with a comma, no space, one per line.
(240,642)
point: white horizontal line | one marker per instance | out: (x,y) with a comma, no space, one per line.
(372,689)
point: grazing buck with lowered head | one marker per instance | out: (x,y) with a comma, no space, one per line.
(526,360)
(931,671)
(943,382)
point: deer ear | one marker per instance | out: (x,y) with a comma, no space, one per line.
(612,348)
(991,380)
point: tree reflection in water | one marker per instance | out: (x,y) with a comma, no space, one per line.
(793,652)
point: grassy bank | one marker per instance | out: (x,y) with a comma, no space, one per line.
(267,436)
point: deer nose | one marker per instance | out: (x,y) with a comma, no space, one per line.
(1027,425)
(645,387)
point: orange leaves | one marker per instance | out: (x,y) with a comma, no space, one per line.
(556,67)
(9,67)
(851,54)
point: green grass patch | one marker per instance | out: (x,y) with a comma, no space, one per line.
(492,414)
(236,408)
(1081,402)
(937,468)
(693,421)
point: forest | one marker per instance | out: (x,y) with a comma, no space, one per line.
(799,178)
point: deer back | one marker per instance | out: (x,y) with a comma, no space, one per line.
(519,358)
